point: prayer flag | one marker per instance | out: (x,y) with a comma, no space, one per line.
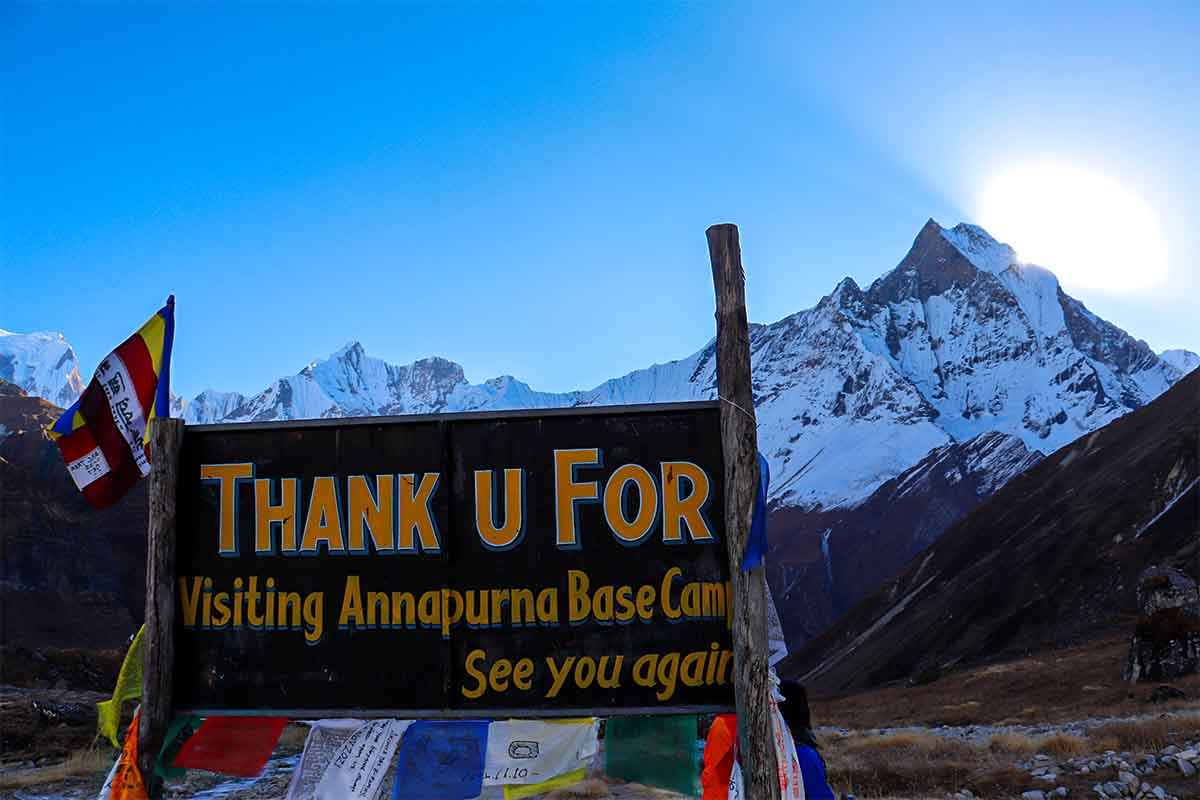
(104,435)
(521,751)
(535,789)
(655,751)
(360,765)
(720,751)
(125,780)
(756,543)
(441,760)
(325,740)
(232,745)
(129,686)
(178,732)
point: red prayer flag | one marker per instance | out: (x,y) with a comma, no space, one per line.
(237,746)
(104,437)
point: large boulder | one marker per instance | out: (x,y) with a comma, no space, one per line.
(1166,643)
(1166,587)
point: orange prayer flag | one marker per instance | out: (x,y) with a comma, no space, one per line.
(125,781)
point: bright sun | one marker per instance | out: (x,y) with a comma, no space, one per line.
(1089,230)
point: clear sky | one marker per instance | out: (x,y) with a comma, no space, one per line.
(524,188)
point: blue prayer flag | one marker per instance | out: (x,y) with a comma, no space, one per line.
(756,544)
(441,760)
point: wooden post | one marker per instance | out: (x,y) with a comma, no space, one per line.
(158,645)
(739,443)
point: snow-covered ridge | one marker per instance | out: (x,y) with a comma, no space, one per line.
(41,363)
(958,340)
(1183,360)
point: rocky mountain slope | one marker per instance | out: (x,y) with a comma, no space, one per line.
(827,561)
(69,575)
(1051,557)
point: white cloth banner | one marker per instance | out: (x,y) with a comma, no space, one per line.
(532,751)
(106,789)
(776,643)
(325,739)
(791,781)
(358,769)
(735,782)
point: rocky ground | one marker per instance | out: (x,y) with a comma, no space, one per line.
(1115,758)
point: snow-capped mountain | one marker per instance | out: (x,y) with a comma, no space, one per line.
(1183,360)
(41,363)
(958,340)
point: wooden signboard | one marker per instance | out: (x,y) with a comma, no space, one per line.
(528,564)
(541,563)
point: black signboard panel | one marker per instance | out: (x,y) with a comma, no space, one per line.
(545,562)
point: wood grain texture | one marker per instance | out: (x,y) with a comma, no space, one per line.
(166,437)
(739,442)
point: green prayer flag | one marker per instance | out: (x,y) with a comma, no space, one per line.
(179,731)
(655,751)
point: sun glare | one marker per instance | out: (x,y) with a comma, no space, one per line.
(1089,230)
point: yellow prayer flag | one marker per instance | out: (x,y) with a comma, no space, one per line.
(513,792)
(129,686)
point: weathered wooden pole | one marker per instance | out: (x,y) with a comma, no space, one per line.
(739,443)
(158,643)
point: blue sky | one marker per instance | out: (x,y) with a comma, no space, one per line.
(524,188)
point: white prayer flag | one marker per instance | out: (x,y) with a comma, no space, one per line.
(325,739)
(532,751)
(358,769)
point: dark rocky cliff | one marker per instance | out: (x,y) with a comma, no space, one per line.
(69,575)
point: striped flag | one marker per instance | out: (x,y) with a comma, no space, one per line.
(104,436)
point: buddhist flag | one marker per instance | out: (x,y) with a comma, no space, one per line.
(103,437)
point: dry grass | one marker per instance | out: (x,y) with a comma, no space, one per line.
(924,744)
(293,737)
(924,764)
(1012,743)
(1051,687)
(1064,745)
(1188,724)
(79,764)
(1145,734)
(583,790)
(1057,686)
(917,764)
(1102,744)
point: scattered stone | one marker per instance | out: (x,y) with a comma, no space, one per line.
(65,713)
(1037,794)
